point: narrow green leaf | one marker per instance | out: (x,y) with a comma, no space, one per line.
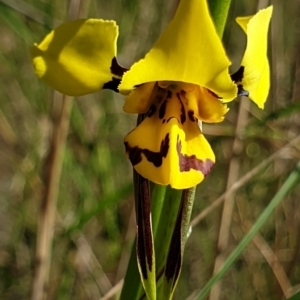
(219,11)
(16,24)
(144,245)
(109,200)
(158,194)
(295,296)
(288,185)
(177,245)
(165,226)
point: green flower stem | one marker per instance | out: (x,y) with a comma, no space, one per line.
(219,12)
(176,249)
(163,232)
(158,192)
(287,187)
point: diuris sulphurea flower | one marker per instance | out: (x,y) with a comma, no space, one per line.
(183,80)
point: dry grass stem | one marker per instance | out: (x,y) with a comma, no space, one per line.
(92,264)
(53,170)
(233,175)
(115,289)
(284,151)
(272,260)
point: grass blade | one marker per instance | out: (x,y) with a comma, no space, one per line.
(288,186)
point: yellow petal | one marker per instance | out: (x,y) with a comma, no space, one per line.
(256,77)
(168,146)
(205,105)
(76,57)
(140,99)
(189,50)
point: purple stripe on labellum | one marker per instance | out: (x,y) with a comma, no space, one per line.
(151,111)
(182,110)
(188,162)
(163,107)
(191,115)
(156,158)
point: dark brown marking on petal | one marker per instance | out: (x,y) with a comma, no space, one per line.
(116,69)
(171,119)
(238,75)
(151,111)
(182,110)
(241,91)
(214,94)
(112,85)
(134,154)
(138,85)
(144,246)
(191,115)
(188,162)
(169,94)
(156,158)
(160,94)
(162,109)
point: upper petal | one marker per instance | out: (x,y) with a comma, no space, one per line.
(189,50)
(256,77)
(76,57)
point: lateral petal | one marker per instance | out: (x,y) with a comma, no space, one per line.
(205,106)
(77,56)
(256,77)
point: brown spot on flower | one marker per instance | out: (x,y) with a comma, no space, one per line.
(237,78)
(116,69)
(238,75)
(156,158)
(151,111)
(191,115)
(188,162)
(112,85)
(182,110)
(213,94)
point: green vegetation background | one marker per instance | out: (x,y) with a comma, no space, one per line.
(95,225)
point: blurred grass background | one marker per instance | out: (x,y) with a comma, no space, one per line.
(95,227)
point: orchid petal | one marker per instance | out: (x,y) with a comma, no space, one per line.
(140,99)
(189,50)
(256,76)
(205,106)
(77,57)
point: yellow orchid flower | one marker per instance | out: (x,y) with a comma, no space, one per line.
(183,80)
